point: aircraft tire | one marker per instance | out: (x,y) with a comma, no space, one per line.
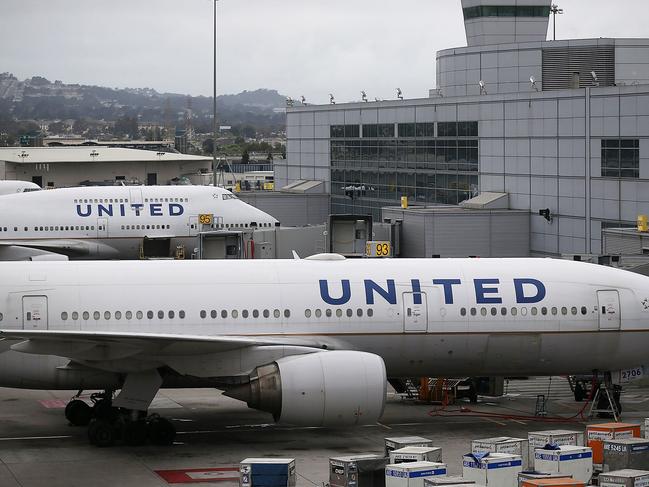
(104,410)
(78,413)
(101,433)
(135,433)
(161,431)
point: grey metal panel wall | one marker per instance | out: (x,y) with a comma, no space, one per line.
(510,235)
(458,235)
(413,243)
(615,243)
(291,209)
(560,64)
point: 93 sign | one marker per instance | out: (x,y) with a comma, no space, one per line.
(376,248)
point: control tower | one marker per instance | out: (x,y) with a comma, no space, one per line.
(489,22)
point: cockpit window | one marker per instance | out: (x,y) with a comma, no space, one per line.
(229,196)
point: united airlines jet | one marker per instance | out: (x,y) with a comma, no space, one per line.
(310,341)
(118,222)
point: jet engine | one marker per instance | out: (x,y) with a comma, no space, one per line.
(337,388)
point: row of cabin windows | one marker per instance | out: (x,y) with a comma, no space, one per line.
(61,228)
(146,227)
(128,315)
(554,311)
(339,312)
(255,313)
(125,200)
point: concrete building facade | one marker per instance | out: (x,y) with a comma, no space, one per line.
(562,126)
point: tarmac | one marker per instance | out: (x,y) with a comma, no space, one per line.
(38,448)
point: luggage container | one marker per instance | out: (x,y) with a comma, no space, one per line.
(448,482)
(492,469)
(629,453)
(556,482)
(412,474)
(575,461)
(357,471)
(538,439)
(624,478)
(416,454)
(399,442)
(597,433)
(523,476)
(503,444)
(267,472)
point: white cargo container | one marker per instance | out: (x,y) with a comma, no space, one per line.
(538,439)
(503,444)
(412,474)
(492,469)
(416,454)
(396,443)
(624,478)
(576,461)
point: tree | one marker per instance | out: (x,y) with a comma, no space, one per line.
(269,157)
(208,146)
(245,157)
(126,126)
(248,131)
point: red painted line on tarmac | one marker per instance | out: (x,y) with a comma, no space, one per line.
(53,403)
(199,475)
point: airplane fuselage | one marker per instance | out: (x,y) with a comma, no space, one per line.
(436,317)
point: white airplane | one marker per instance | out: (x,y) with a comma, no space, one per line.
(12,187)
(117,222)
(310,341)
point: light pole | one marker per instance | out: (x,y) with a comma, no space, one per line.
(555,10)
(214,122)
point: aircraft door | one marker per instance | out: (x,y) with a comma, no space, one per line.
(415,312)
(136,196)
(34,312)
(609,310)
(102,227)
(192,225)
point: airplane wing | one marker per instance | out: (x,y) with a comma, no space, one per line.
(67,247)
(198,355)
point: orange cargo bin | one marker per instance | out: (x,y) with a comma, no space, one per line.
(563,482)
(597,433)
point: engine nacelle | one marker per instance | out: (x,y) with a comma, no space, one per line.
(335,388)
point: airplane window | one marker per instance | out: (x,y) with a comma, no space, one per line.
(483,311)
(474,311)
(75,315)
(339,312)
(64,316)
(287,313)
(181,314)
(349,312)
(276,313)
(118,315)
(584,311)
(462,311)
(359,312)
(41,229)
(171,315)
(107,315)
(266,313)
(573,310)
(524,311)
(255,313)
(318,313)
(307,313)
(328,313)
(564,311)
(77,228)
(370,312)
(244,313)
(146,200)
(494,311)
(123,227)
(161,315)
(544,311)
(92,227)
(27,229)
(554,311)
(514,311)
(534,311)
(85,201)
(36,229)
(168,227)
(15,229)
(214,314)
(96,315)
(224,314)
(203,314)
(148,227)
(503,311)
(234,314)
(129,315)
(139,315)
(86,315)
(149,314)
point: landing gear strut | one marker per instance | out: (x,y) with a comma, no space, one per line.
(108,424)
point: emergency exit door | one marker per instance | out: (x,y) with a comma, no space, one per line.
(415,312)
(609,310)
(102,227)
(35,312)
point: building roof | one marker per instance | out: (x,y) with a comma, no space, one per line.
(41,155)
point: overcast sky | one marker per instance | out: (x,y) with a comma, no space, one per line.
(299,47)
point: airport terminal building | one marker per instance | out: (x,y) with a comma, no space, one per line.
(560,126)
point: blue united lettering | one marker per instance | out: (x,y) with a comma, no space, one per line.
(488,290)
(109,209)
